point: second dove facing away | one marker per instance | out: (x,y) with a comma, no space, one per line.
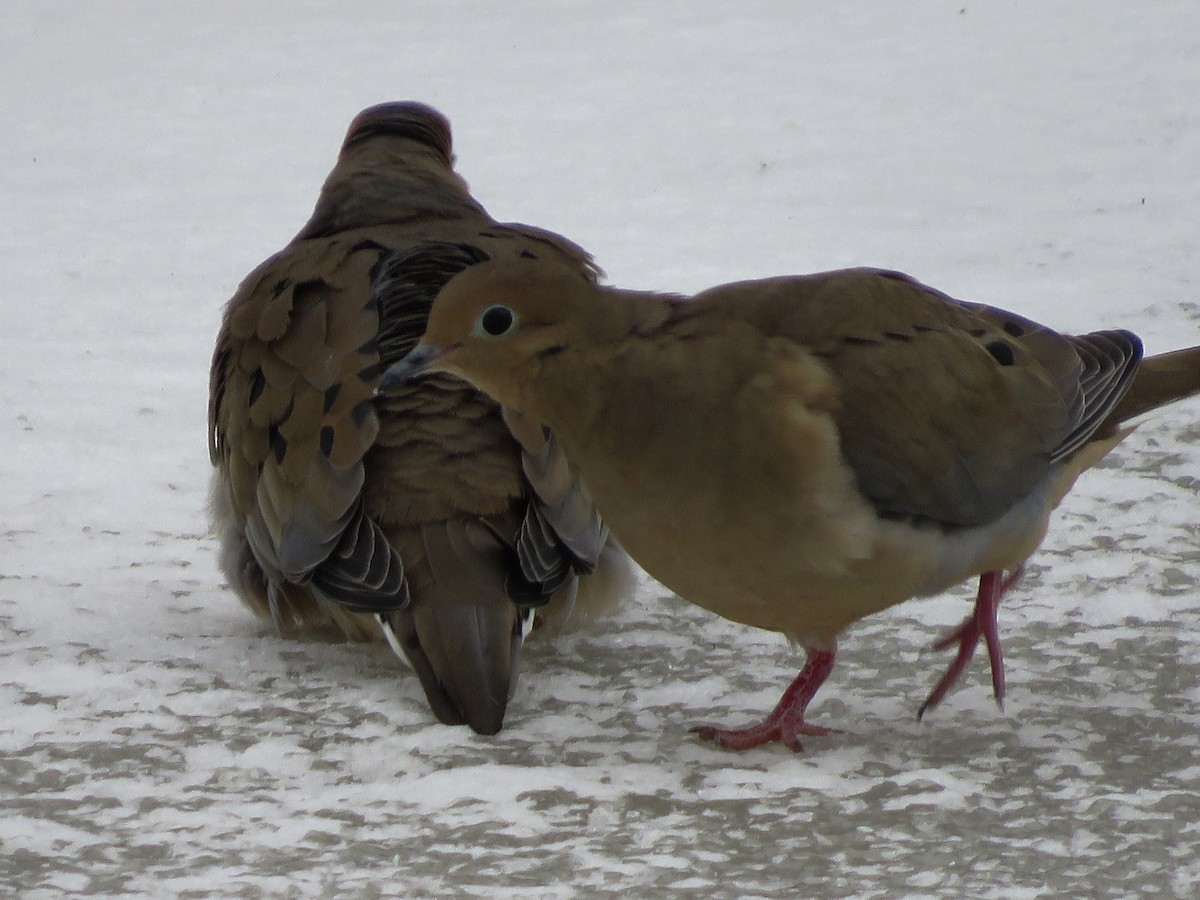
(447,517)
(797,453)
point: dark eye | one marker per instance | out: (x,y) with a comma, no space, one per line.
(496,320)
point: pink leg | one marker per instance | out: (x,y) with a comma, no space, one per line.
(786,721)
(981,623)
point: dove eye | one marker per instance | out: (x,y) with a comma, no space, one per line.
(497,320)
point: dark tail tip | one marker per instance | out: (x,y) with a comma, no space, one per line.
(465,656)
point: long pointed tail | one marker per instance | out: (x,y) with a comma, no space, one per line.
(1160,380)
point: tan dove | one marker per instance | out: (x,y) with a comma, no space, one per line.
(797,453)
(431,508)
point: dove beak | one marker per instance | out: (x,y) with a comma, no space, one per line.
(411,366)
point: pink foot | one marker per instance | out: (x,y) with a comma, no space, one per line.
(981,623)
(786,721)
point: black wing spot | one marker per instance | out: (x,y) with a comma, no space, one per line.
(306,292)
(1001,352)
(528,254)
(257,383)
(897,336)
(361,412)
(327,439)
(278,443)
(331,395)
(858,341)
(1014,329)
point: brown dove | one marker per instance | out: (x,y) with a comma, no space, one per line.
(432,509)
(797,453)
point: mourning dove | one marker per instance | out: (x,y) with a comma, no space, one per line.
(797,453)
(432,508)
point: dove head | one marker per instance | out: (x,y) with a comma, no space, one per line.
(496,323)
(396,163)
(407,119)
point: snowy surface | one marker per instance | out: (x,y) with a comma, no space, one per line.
(155,740)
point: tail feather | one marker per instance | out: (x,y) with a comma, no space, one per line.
(1160,380)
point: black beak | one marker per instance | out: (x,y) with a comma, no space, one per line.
(405,370)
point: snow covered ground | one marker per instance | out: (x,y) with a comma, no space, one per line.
(156,741)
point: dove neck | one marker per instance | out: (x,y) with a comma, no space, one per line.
(566,384)
(388,182)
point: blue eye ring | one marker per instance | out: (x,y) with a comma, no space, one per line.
(496,320)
